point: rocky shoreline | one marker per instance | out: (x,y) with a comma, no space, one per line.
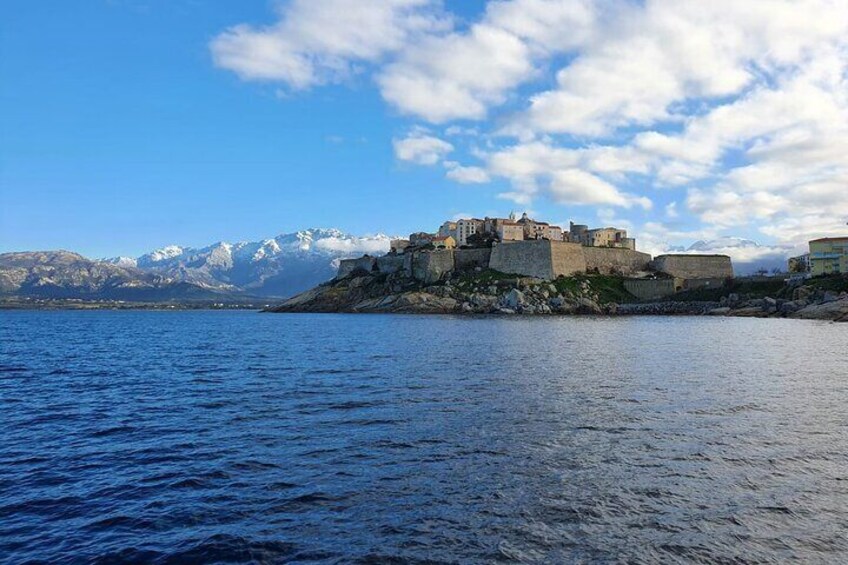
(495,293)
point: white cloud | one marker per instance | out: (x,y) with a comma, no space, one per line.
(456,76)
(671,210)
(466,175)
(644,59)
(312,45)
(741,107)
(422,149)
(353,245)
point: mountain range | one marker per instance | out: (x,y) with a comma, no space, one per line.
(271,268)
(277,267)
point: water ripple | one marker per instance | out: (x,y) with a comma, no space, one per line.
(229,437)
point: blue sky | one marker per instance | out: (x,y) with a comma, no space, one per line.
(129,125)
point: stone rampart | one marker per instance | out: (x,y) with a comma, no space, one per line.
(649,289)
(431,266)
(390,263)
(611,260)
(694,266)
(527,258)
(470,258)
(694,284)
(347,266)
(567,259)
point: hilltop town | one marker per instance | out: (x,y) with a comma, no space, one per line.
(531,248)
(525,266)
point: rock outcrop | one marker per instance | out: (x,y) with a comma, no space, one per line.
(488,292)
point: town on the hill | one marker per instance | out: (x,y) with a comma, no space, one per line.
(531,248)
(474,232)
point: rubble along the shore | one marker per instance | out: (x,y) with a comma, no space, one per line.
(373,293)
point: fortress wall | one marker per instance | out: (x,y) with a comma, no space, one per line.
(347,266)
(431,266)
(694,284)
(694,266)
(567,259)
(649,289)
(470,258)
(527,258)
(390,263)
(610,260)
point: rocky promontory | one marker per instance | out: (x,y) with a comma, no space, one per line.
(490,292)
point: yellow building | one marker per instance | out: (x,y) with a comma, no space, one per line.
(829,255)
(444,242)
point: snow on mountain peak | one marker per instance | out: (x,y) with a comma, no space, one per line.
(122,261)
(168,252)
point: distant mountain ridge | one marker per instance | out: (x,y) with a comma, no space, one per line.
(277,267)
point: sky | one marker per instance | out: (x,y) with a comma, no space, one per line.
(128,125)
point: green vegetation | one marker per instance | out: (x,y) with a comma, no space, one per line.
(758,288)
(485,277)
(836,283)
(608,288)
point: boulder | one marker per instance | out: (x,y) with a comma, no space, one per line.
(722,311)
(750,312)
(834,310)
(587,306)
(513,299)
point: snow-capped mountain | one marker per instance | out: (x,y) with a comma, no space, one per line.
(280,266)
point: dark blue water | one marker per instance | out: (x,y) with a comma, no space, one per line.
(195,437)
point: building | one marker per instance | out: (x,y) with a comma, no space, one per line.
(539,230)
(829,255)
(508,230)
(800,264)
(554,233)
(398,245)
(420,239)
(577,232)
(443,242)
(599,237)
(466,228)
(608,237)
(448,228)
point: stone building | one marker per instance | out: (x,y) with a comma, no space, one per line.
(448,228)
(508,230)
(608,237)
(600,237)
(444,242)
(539,230)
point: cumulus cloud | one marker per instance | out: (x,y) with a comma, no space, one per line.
(421,148)
(316,43)
(466,175)
(353,245)
(740,109)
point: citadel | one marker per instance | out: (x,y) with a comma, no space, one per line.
(530,248)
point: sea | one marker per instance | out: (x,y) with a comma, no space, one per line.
(242,437)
